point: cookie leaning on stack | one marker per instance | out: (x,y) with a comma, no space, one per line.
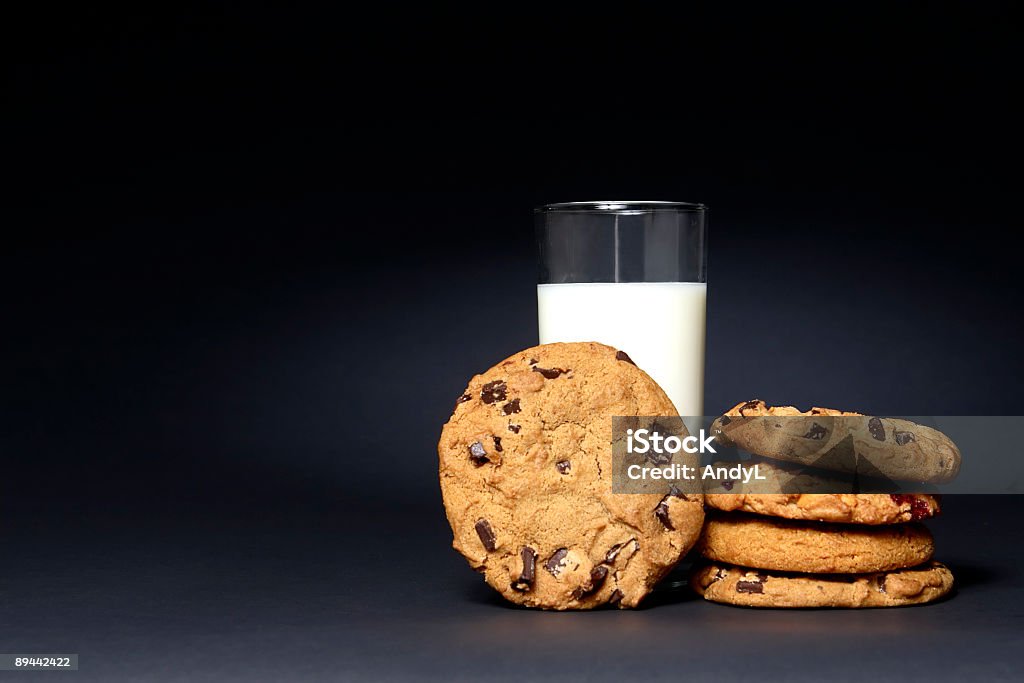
(525,467)
(818,549)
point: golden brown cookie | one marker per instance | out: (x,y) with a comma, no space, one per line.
(841,441)
(525,468)
(758,588)
(804,503)
(796,546)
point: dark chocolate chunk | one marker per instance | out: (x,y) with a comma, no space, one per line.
(533,361)
(816,432)
(727,484)
(621,355)
(478,454)
(751,585)
(674,492)
(725,420)
(549,373)
(597,578)
(903,438)
(486,534)
(511,407)
(613,552)
(877,429)
(556,562)
(661,512)
(616,597)
(514,428)
(525,580)
(497,443)
(493,392)
(749,405)
(463,399)
(563,466)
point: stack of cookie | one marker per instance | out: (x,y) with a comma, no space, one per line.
(823,549)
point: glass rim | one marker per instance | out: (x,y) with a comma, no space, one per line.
(626,206)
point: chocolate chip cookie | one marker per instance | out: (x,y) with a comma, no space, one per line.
(796,546)
(758,588)
(525,469)
(841,441)
(844,508)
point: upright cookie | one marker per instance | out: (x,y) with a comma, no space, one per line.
(758,588)
(786,545)
(842,441)
(525,469)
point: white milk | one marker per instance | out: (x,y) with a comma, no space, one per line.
(659,324)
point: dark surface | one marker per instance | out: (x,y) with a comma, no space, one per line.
(252,255)
(288,596)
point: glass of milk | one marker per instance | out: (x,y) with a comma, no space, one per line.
(633,275)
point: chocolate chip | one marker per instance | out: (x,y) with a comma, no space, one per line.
(674,492)
(661,512)
(463,399)
(903,438)
(597,578)
(616,597)
(881,583)
(533,361)
(556,562)
(511,407)
(525,580)
(816,432)
(725,420)
(877,429)
(514,428)
(621,355)
(563,466)
(497,443)
(549,373)
(486,534)
(613,552)
(478,454)
(493,392)
(749,405)
(727,484)
(753,584)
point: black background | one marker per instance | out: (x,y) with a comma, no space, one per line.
(252,255)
